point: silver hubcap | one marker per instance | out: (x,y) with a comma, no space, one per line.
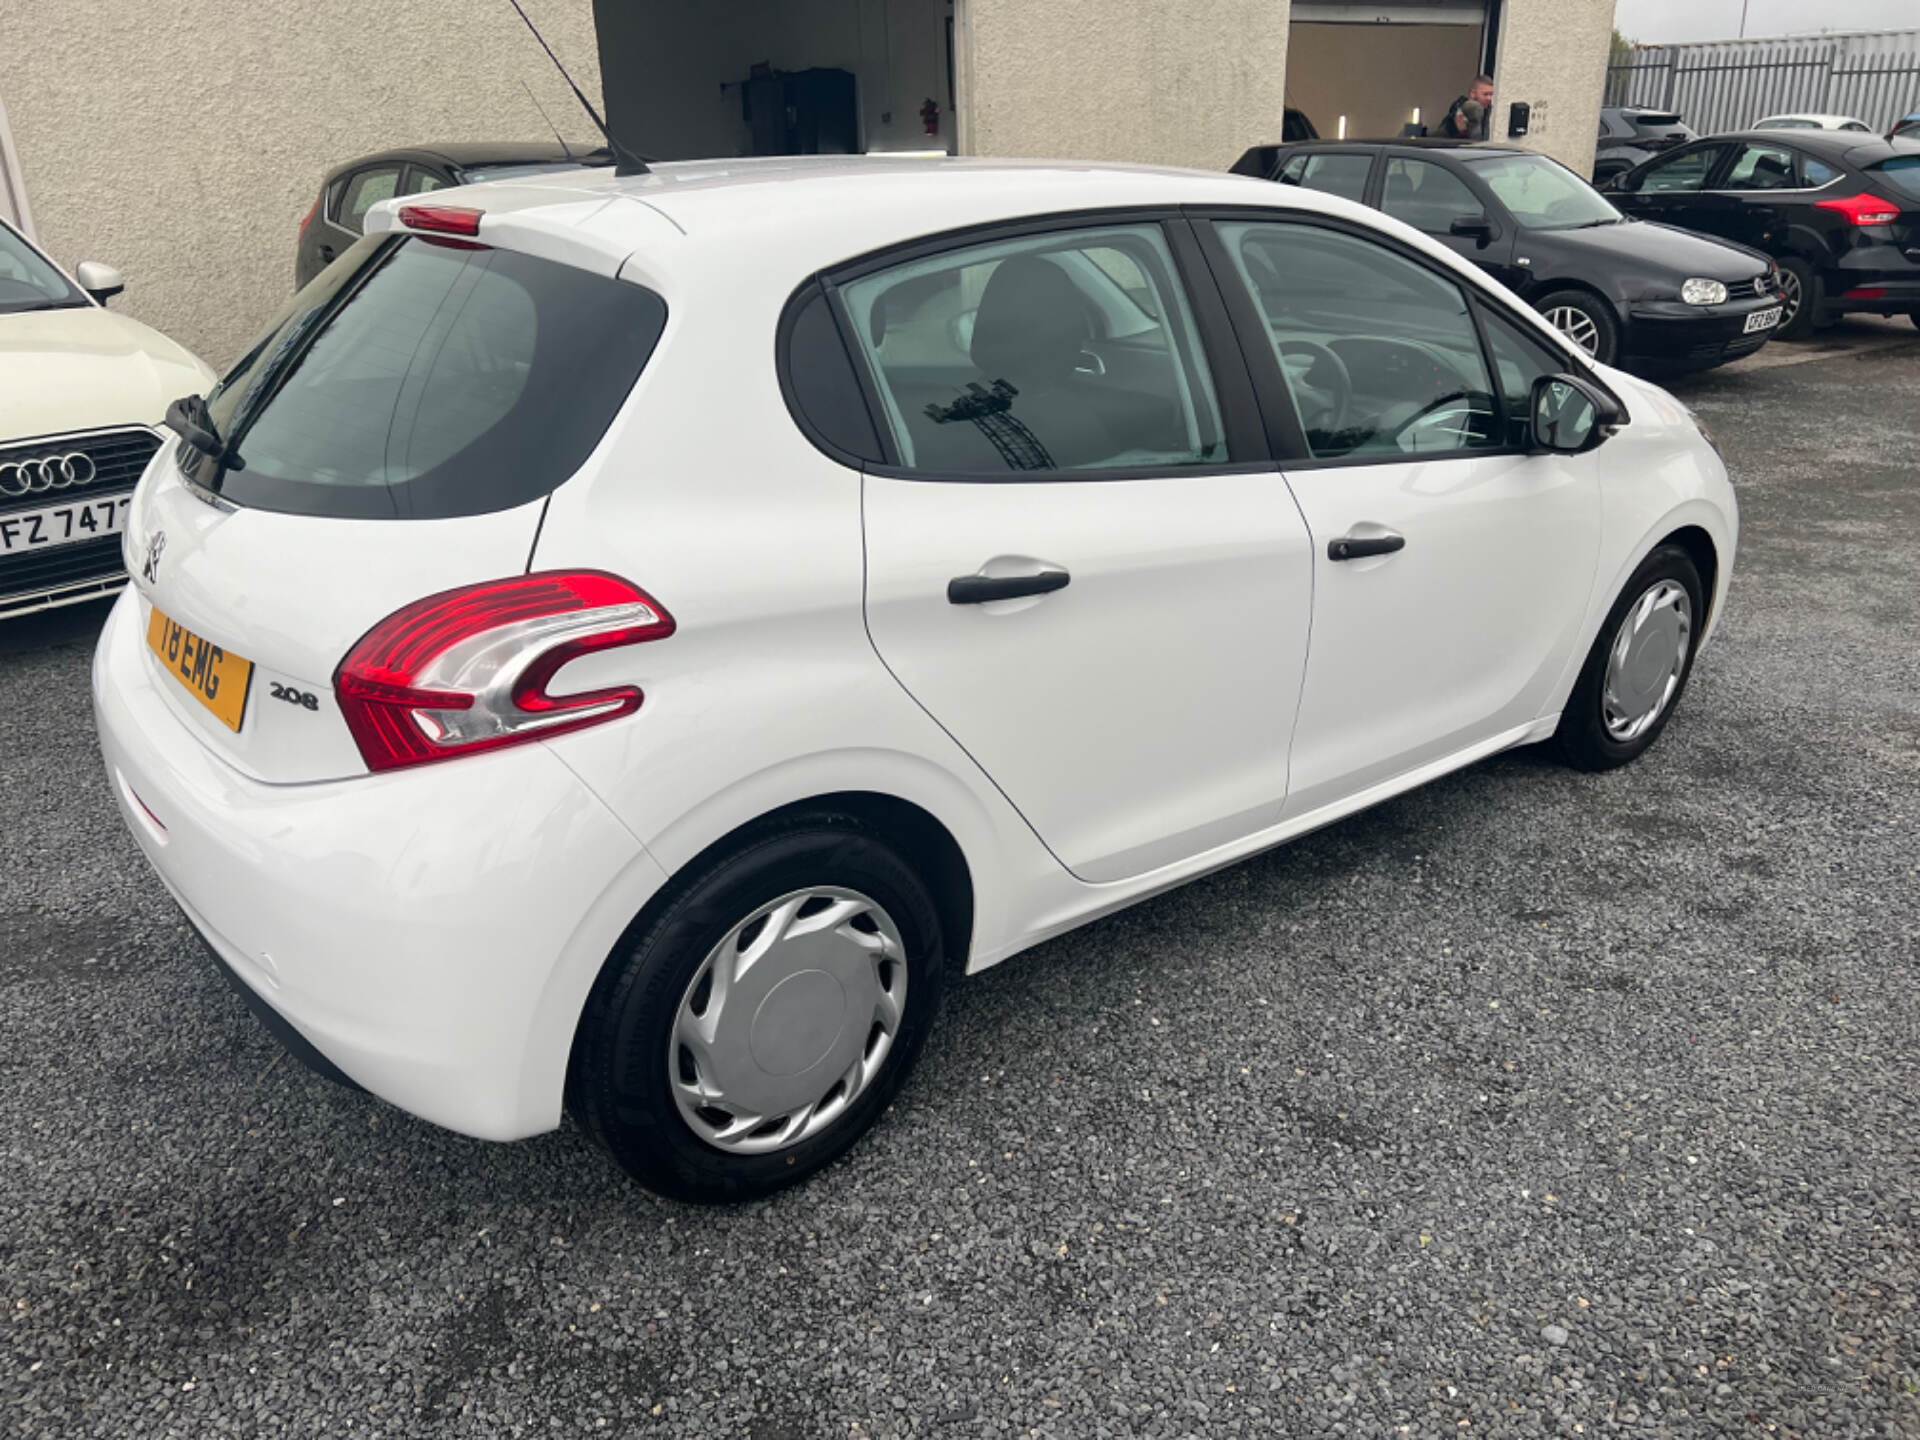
(1790,290)
(1648,655)
(788,1020)
(1574,323)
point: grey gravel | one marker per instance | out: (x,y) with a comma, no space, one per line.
(1332,1143)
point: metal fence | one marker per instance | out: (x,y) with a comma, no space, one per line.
(1729,84)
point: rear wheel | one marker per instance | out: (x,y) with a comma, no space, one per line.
(1585,319)
(1800,309)
(1638,667)
(762,1021)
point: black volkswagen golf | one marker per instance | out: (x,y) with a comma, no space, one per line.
(1645,297)
(1838,211)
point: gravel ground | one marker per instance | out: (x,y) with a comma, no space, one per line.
(1529,1104)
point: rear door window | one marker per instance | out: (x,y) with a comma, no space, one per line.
(1761,167)
(1064,351)
(417,379)
(1686,171)
(1427,196)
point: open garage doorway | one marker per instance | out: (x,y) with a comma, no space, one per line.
(688,79)
(1368,72)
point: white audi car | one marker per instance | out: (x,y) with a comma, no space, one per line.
(618,642)
(82,394)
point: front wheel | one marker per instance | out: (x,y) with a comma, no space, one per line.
(763,1020)
(1586,320)
(1638,667)
(1801,297)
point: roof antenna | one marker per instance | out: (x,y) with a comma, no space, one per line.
(627,163)
(564,150)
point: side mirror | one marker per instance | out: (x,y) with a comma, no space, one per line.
(102,282)
(1477,228)
(1569,415)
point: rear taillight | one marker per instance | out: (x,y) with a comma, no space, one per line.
(312,210)
(467,670)
(1863,209)
(441,219)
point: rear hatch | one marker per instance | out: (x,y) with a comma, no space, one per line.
(1897,179)
(394,434)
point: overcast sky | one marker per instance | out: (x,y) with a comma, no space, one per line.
(1657,21)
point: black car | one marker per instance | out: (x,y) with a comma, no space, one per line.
(1839,211)
(1629,135)
(1644,297)
(348,191)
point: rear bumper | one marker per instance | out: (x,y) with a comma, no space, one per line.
(1670,335)
(431,934)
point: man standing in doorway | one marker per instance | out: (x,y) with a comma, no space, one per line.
(1469,116)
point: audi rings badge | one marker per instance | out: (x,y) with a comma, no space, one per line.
(41,473)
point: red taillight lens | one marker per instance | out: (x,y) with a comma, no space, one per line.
(467,670)
(312,210)
(441,219)
(1862,209)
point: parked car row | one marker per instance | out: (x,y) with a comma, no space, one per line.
(1648,298)
(1838,210)
(1694,255)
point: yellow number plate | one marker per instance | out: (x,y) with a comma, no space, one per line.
(216,678)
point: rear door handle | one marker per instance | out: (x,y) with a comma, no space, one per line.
(1358,547)
(979,589)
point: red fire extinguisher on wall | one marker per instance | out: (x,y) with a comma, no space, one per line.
(930,116)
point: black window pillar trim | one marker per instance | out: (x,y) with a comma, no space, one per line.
(1225,357)
(1286,437)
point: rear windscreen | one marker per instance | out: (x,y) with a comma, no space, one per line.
(1902,172)
(423,379)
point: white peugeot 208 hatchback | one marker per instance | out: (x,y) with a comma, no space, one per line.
(616,642)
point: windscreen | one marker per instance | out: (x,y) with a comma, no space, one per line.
(421,379)
(28,281)
(1542,194)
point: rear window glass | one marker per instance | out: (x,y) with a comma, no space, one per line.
(417,379)
(1902,172)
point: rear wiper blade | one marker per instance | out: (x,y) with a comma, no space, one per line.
(189,418)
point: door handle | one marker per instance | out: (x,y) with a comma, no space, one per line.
(979,589)
(1358,547)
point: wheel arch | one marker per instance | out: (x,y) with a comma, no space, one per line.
(1705,555)
(924,841)
(1547,286)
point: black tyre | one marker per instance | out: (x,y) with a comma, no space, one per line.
(1585,319)
(757,1022)
(1804,297)
(1637,670)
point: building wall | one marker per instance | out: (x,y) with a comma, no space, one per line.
(1181,82)
(185,147)
(1553,55)
(674,66)
(1376,75)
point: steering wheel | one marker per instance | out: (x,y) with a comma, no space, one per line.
(1327,377)
(1429,409)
